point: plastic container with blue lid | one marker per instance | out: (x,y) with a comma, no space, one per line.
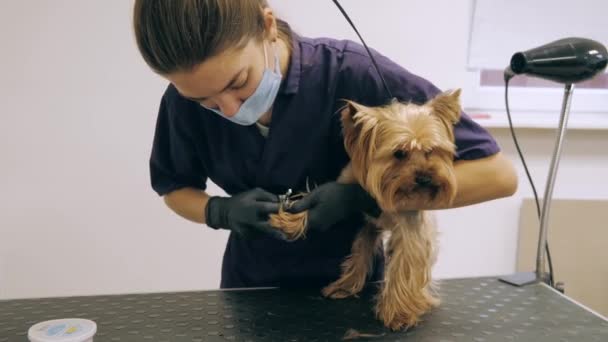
(63,330)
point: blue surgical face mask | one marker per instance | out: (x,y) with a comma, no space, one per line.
(262,98)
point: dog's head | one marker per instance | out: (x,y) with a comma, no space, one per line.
(402,153)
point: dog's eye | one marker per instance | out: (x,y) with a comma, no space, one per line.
(428,153)
(400,154)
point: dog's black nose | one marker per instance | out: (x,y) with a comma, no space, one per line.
(423,179)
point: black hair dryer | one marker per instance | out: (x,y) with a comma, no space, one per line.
(567,60)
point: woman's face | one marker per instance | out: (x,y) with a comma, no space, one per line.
(226,80)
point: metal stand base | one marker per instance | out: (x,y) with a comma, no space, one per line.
(520,279)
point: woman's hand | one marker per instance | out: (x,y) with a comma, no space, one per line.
(333,202)
(246,214)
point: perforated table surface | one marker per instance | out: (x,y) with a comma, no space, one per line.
(480,309)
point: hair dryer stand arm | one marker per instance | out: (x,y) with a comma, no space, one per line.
(525,278)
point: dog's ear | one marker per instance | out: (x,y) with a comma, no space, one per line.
(349,128)
(349,110)
(447,106)
(358,128)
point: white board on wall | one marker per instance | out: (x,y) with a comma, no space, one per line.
(500,28)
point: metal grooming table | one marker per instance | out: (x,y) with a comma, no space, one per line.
(478,309)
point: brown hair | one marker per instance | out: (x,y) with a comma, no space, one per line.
(176,35)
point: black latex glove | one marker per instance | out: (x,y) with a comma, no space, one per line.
(246,214)
(333,202)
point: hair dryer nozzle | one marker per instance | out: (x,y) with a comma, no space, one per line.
(567,60)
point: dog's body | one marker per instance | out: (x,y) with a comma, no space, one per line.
(402,155)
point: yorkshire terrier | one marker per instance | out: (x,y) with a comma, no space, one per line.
(402,155)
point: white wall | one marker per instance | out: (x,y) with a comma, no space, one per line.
(78,216)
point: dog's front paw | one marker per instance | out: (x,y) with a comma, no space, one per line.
(293,226)
(396,319)
(341,289)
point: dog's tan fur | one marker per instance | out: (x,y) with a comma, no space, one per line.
(292,225)
(402,155)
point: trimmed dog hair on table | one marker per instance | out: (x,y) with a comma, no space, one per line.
(402,155)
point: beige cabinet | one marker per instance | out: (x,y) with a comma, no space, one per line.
(578,241)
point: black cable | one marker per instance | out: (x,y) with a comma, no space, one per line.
(523,161)
(366,48)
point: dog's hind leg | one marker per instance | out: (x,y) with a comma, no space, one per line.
(357,265)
